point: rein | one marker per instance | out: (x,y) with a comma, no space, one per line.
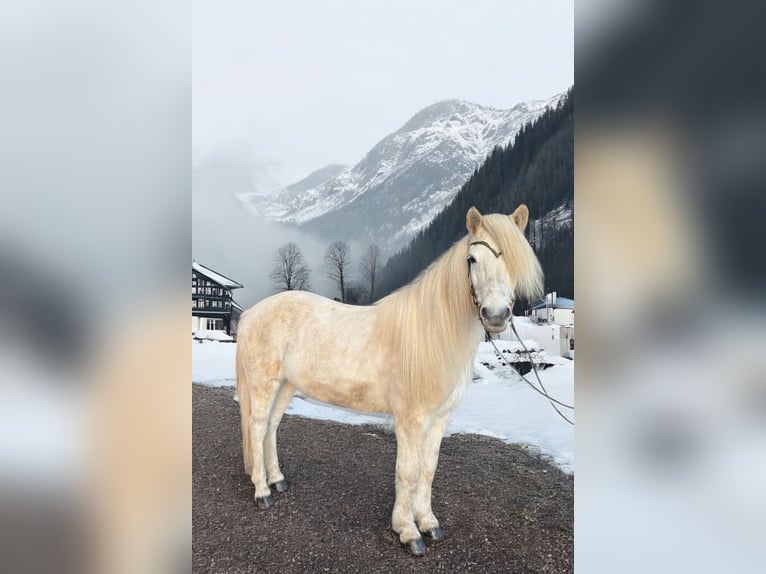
(544,391)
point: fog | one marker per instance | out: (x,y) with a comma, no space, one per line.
(233,240)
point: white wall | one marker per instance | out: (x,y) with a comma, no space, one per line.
(548,336)
(559,316)
(563,316)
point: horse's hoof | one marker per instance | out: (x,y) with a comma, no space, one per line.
(280,486)
(264,501)
(416,547)
(435,534)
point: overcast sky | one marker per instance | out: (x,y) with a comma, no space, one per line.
(300,85)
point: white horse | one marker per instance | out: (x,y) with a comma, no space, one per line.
(410,355)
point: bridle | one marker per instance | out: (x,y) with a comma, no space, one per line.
(471,261)
(544,391)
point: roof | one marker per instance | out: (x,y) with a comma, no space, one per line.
(215,276)
(561,303)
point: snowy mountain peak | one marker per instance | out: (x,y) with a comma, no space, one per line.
(405,180)
(442,109)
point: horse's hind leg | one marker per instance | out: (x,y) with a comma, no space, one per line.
(262,397)
(284,396)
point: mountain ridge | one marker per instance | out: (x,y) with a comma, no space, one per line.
(403,181)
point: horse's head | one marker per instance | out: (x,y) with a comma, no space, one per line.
(494,285)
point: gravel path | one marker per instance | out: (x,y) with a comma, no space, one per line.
(501,509)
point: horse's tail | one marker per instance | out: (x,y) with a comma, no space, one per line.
(243,391)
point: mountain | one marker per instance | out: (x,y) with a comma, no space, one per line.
(300,196)
(536,169)
(403,181)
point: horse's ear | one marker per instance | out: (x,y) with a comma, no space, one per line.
(521,216)
(473,220)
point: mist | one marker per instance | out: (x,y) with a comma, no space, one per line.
(235,241)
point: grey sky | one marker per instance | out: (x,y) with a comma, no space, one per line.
(304,84)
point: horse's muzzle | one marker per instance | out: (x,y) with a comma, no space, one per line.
(495,319)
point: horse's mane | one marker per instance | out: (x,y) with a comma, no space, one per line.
(427,319)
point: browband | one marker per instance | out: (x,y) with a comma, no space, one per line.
(488,246)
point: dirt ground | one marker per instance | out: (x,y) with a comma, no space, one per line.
(501,508)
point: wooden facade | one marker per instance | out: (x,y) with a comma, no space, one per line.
(213,306)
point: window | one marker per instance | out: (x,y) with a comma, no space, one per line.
(194,303)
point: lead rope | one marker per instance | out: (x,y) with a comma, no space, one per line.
(544,391)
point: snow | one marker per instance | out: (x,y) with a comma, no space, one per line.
(213,335)
(213,363)
(498,403)
(216,277)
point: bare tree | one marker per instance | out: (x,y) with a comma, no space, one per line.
(369,267)
(338,259)
(290,271)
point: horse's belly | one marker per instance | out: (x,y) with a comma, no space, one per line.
(349,393)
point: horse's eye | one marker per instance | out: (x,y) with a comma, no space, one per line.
(471,260)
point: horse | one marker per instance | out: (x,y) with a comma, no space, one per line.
(409,355)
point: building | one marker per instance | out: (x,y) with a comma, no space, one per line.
(213,307)
(553,310)
(549,322)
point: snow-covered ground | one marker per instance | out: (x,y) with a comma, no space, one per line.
(497,403)
(212,335)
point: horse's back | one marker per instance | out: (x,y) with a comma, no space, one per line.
(297,318)
(274,317)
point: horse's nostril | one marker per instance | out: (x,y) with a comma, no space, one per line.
(484,312)
(507,313)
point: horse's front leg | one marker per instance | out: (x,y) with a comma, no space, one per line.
(410,432)
(427,522)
